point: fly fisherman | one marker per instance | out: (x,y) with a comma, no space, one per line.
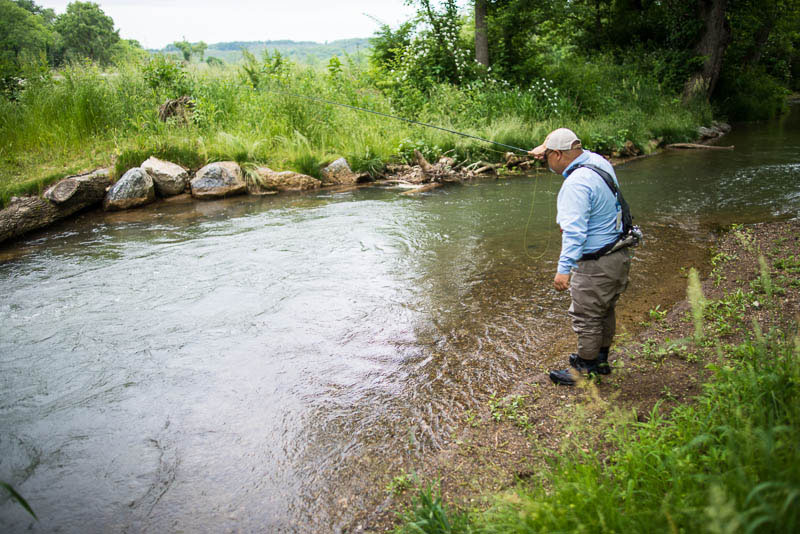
(592,248)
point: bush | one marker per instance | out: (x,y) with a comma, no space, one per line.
(750,94)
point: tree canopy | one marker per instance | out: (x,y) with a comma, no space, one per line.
(87,32)
(722,50)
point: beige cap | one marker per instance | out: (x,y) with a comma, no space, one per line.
(561,139)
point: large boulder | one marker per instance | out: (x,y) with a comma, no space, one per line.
(218,180)
(268,181)
(169,179)
(339,172)
(134,189)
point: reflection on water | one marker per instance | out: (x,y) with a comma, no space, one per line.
(236,364)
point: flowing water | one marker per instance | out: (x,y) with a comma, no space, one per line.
(250,364)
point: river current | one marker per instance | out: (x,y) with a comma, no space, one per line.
(240,365)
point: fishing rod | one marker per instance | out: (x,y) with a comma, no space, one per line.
(315,99)
(533,200)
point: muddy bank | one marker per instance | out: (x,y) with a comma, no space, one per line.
(509,440)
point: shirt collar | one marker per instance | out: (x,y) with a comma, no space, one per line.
(577,161)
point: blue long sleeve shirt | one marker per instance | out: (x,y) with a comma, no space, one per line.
(587,211)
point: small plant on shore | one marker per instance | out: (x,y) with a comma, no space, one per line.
(764,278)
(657,314)
(400,483)
(789,264)
(430,515)
(471,418)
(697,301)
(511,408)
(726,314)
(717,261)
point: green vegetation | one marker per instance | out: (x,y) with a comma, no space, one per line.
(16,497)
(100,105)
(400,483)
(84,118)
(305,52)
(510,409)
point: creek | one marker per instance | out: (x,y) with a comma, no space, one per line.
(265,364)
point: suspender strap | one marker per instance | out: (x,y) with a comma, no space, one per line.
(626,212)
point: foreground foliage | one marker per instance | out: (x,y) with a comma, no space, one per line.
(728,462)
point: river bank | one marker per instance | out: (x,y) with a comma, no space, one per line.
(515,461)
(167,181)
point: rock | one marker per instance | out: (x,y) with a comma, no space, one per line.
(269,181)
(218,180)
(169,179)
(707,133)
(722,127)
(134,189)
(630,150)
(69,195)
(339,172)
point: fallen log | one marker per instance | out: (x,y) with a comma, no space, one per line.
(68,196)
(422,189)
(426,167)
(490,167)
(695,145)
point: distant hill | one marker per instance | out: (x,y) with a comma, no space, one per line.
(297,51)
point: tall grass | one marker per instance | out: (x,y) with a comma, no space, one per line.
(81,117)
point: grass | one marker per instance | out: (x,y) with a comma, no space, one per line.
(728,462)
(80,118)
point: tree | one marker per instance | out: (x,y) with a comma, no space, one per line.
(24,39)
(21,32)
(712,45)
(200,49)
(481,34)
(47,16)
(186,49)
(87,32)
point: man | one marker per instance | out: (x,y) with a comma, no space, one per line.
(590,217)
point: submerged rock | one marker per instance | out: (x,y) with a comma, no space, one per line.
(169,179)
(707,133)
(135,188)
(269,181)
(218,180)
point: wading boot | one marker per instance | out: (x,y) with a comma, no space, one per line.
(603,368)
(566,377)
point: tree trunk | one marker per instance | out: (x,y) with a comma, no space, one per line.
(62,200)
(712,45)
(481,34)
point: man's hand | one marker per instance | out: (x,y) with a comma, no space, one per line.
(561,282)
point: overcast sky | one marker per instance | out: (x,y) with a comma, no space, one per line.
(157,23)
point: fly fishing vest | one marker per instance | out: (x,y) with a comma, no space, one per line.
(631,235)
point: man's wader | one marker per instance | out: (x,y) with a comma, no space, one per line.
(597,282)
